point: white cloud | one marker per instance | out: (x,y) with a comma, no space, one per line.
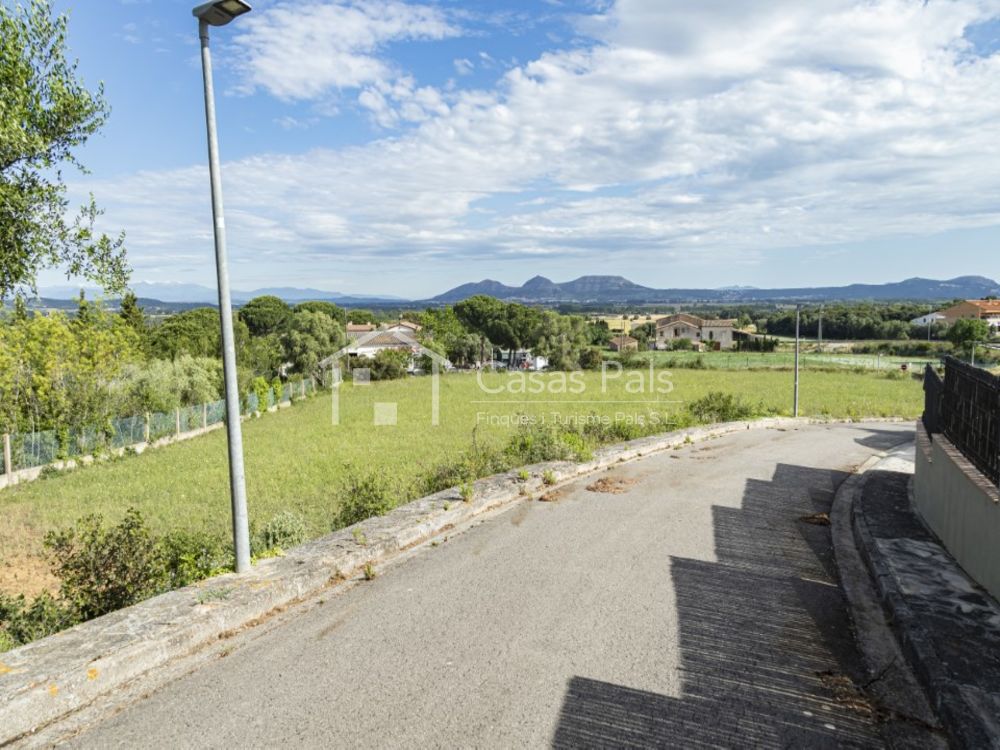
(304,50)
(717,129)
(463,66)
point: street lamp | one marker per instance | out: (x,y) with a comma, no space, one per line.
(220,13)
(798,319)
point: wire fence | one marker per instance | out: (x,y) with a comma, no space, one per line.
(28,450)
(965,407)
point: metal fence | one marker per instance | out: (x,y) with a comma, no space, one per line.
(28,450)
(965,407)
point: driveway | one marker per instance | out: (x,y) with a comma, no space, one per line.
(694,604)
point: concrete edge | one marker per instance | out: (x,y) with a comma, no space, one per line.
(889,678)
(947,700)
(51,678)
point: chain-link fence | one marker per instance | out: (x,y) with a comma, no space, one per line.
(28,450)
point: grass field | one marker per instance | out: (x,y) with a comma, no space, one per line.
(296,458)
(785,358)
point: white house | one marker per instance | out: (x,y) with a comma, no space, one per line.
(713,334)
(929,319)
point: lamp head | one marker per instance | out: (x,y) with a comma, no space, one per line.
(220,12)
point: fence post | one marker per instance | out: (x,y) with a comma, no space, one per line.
(204,416)
(177,420)
(8,462)
(145,428)
(303,387)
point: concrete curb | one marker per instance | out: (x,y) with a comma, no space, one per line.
(960,709)
(56,676)
(910,721)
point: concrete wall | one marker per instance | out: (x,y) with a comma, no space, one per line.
(961,506)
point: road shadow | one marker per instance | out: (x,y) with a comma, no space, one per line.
(883,440)
(767,657)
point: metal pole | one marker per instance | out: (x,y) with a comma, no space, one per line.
(798,318)
(8,463)
(819,348)
(234,430)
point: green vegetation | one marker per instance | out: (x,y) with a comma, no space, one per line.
(46,118)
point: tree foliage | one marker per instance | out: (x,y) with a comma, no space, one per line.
(266,315)
(46,116)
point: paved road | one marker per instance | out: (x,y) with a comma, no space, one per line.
(695,608)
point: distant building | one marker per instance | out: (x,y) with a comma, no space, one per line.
(402,326)
(624,344)
(974,309)
(357,330)
(713,334)
(928,319)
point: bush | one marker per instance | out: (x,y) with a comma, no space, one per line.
(261,389)
(389,364)
(591,358)
(717,406)
(535,443)
(366,496)
(104,569)
(192,557)
(284,531)
(278,390)
(22,623)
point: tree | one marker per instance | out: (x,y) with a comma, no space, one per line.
(327,308)
(134,317)
(562,340)
(360,316)
(195,332)
(264,315)
(47,115)
(311,337)
(967,332)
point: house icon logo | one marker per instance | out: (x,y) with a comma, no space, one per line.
(366,346)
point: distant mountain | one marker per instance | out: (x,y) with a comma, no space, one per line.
(607,289)
(176,292)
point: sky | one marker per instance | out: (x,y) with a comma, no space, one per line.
(392,147)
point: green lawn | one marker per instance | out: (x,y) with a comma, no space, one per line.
(784,359)
(295,458)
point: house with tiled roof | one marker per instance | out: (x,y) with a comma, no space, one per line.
(711,333)
(974,309)
(623,343)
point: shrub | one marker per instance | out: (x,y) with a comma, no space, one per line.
(548,477)
(22,623)
(717,406)
(366,496)
(103,569)
(591,358)
(277,389)
(191,557)
(283,531)
(261,389)
(389,364)
(535,443)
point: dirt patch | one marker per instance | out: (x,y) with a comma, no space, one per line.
(23,573)
(611,486)
(845,692)
(553,496)
(520,513)
(816,519)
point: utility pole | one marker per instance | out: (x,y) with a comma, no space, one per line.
(798,320)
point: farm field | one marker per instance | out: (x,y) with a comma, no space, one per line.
(296,459)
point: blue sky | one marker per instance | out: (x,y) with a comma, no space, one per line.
(405,147)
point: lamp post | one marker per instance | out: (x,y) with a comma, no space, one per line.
(219,13)
(798,318)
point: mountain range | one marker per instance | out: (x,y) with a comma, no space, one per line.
(177,292)
(601,289)
(584,290)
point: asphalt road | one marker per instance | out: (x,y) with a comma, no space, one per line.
(693,608)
